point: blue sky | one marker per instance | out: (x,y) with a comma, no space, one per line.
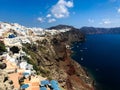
(46,13)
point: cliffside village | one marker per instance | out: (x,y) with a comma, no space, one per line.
(20,72)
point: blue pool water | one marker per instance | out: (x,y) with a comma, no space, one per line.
(100,54)
(25,73)
(24,86)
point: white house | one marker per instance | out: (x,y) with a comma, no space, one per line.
(23,65)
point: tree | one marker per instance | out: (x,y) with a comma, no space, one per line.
(14,49)
(2,47)
(3,65)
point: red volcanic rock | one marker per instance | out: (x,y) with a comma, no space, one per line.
(71,70)
(69,84)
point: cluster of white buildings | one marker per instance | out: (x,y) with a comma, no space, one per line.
(19,61)
(22,30)
(14,35)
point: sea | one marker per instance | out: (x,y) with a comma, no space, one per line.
(100,54)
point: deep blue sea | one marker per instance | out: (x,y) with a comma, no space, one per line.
(100,54)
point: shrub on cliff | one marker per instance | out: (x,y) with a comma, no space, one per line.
(2,48)
(14,49)
(2,65)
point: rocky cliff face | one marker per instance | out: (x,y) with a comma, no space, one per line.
(51,58)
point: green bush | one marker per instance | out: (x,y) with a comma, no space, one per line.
(2,47)
(14,49)
(49,78)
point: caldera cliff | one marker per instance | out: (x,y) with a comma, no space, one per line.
(51,58)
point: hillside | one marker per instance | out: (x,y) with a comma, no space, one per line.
(59,27)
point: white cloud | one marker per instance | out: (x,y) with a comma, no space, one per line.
(48,16)
(69,3)
(40,19)
(118,10)
(60,10)
(91,20)
(51,20)
(106,22)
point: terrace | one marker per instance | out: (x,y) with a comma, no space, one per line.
(49,85)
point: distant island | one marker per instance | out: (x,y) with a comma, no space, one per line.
(93,30)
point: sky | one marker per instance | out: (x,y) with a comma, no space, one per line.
(47,13)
